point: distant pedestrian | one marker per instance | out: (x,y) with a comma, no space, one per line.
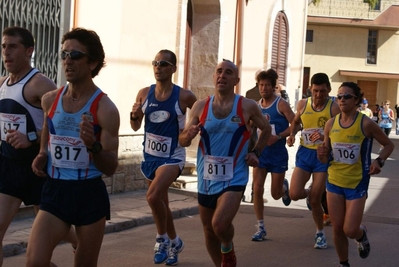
(348,137)
(386,117)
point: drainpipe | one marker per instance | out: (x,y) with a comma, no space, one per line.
(238,37)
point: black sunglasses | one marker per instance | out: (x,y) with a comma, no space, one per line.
(162,63)
(74,55)
(345,96)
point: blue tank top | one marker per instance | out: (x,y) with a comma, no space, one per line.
(385,122)
(222,149)
(164,120)
(17,114)
(277,121)
(68,158)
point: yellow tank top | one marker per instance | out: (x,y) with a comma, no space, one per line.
(314,121)
(349,149)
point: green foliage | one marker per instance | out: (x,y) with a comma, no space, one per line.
(372,3)
(316,2)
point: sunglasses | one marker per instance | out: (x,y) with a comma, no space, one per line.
(162,63)
(74,55)
(345,96)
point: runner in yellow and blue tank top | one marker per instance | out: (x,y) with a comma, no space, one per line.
(348,137)
(311,116)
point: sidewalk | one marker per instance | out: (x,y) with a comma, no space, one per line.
(127,210)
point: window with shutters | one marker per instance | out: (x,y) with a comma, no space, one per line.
(280,47)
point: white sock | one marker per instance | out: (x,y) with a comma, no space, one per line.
(176,240)
(164,236)
(261,224)
(320,231)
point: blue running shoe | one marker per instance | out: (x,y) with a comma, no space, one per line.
(286,197)
(260,235)
(173,253)
(161,250)
(320,241)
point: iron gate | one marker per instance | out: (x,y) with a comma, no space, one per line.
(43,19)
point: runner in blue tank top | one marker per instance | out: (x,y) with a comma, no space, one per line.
(223,121)
(163,106)
(274,157)
(80,143)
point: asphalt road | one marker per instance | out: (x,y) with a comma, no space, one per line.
(290,234)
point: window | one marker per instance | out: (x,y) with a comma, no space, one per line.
(309,36)
(372,47)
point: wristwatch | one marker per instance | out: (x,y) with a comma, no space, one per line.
(256,152)
(380,161)
(279,137)
(32,137)
(95,148)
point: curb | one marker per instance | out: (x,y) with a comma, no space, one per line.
(117,224)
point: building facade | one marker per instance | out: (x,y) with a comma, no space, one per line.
(351,41)
(255,34)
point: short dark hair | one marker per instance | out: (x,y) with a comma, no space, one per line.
(320,78)
(172,56)
(270,75)
(26,37)
(356,90)
(92,42)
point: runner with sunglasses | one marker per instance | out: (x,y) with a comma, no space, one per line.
(348,137)
(163,107)
(311,116)
(79,144)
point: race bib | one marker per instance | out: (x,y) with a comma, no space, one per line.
(306,133)
(347,153)
(68,152)
(12,121)
(157,145)
(218,168)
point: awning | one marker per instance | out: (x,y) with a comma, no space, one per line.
(367,74)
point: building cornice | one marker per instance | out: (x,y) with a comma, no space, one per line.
(388,19)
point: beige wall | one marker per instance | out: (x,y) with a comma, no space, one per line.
(133,31)
(342,48)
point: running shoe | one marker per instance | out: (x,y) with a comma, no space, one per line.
(229,258)
(320,241)
(286,197)
(161,250)
(363,247)
(326,219)
(173,253)
(260,235)
(344,265)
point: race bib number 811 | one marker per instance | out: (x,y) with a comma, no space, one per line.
(218,168)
